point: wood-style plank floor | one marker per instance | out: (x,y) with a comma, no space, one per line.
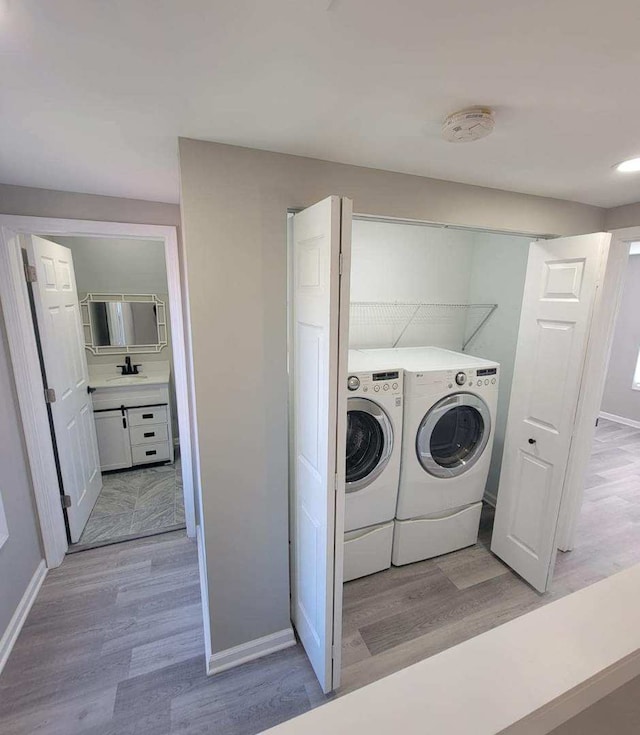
(113,644)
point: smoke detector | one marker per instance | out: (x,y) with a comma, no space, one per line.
(468,125)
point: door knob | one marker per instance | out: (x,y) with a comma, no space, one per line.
(90,389)
(532,441)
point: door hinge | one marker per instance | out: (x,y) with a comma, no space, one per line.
(49,395)
(340,264)
(335,482)
(30,273)
(66,501)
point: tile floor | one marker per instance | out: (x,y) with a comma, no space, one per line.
(136,502)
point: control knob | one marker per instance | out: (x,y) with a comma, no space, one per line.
(461,378)
(353,382)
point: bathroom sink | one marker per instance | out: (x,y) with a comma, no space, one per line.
(127,379)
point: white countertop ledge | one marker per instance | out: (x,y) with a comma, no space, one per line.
(156,373)
(526,676)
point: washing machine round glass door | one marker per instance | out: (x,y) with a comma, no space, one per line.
(453,434)
(369,442)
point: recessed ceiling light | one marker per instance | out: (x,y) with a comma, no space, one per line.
(633,164)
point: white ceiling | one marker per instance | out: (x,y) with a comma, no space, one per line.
(96,92)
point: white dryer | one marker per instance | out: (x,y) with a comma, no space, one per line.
(374,443)
(449,419)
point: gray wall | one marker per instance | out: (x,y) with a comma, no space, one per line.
(21,553)
(497,276)
(31,202)
(234,203)
(616,714)
(619,397)
(625,216)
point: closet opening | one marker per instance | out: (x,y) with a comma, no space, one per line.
(443,306)
(467,366)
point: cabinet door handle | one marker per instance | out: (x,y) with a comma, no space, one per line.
(147,415)
(124,422)
(153,451)
(149,433)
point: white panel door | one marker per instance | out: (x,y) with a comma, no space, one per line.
(563,276)
(321,238)
(65,365)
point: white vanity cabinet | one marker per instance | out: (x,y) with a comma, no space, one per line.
(133,424)
(114,444)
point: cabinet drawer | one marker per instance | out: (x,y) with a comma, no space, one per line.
(143,453)
(152,434)
(151,415)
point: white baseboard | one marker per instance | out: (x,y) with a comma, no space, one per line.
(251,650)
(10,635)
(620,419)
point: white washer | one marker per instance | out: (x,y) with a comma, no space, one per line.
(374,443)
(449,418)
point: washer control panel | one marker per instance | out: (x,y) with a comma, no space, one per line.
(381,383)
(353,382)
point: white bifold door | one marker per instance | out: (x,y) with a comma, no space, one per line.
(320,309)
(562,280)
(65,367)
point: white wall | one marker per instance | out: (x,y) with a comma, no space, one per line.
(619,398)
(127,266)
(498,272)
(234,203)
(402,262)
(393,262)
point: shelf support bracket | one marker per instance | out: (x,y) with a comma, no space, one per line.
(407,325)
(479,327)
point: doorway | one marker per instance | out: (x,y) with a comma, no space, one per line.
(119,301)
(408,608)
(19,231)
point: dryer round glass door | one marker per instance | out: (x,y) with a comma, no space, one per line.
(453,435)
(369,442)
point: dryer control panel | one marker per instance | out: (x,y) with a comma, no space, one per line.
(472,379)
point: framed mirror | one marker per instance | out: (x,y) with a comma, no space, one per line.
(123,323)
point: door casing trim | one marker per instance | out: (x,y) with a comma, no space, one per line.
(26,368)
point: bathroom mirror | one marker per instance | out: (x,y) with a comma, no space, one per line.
(123,323)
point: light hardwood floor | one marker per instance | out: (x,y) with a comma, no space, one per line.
(113,644)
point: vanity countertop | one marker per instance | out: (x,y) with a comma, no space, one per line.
(108,376)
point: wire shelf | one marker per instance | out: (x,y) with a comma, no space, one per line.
(387,324)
